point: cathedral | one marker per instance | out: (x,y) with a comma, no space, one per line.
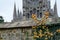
(35,7)
(17,15)
(20,28)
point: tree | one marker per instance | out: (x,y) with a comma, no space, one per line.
(1,19)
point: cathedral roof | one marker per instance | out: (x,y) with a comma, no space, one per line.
(25,23)
(18,24)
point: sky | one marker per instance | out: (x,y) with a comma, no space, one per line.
(7,6)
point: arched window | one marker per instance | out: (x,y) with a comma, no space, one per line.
(40,15)
(27,15)
(34,10)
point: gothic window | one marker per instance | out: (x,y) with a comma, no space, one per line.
(43,5)
(34,10)
(23,11)
(40,15)
(40,1)
(37,13)
(43,10)
(27,15)
(23,14)
(37,10)
(38,7)
(30,12)
(23,7)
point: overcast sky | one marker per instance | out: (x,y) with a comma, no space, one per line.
(7,6)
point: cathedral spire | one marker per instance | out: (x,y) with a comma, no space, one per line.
(18,14)
(14,13)
(49,4)
(55,9)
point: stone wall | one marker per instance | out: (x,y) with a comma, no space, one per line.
(16,34)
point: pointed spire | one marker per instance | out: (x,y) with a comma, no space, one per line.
(18,14)
(14,13)
(49,4)
(55,9)
(14,8)
(55,2)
